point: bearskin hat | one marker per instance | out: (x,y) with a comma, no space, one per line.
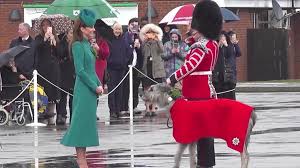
(207,19)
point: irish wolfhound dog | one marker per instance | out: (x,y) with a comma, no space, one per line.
(159,96)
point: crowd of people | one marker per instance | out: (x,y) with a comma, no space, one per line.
(84,60)
(160,52)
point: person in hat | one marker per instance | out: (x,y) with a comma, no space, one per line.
(153,65)
(166,31)
(196,72)
(174,52)
(83,132)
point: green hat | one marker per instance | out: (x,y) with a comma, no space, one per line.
(87,17)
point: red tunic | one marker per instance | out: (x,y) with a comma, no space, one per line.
(199,114)
(202,58)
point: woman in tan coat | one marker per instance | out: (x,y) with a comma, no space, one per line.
(152,50)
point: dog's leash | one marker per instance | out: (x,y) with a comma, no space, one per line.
(168,123)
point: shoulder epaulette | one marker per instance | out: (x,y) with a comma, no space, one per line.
(201,44)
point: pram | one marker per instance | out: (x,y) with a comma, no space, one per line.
(16,111)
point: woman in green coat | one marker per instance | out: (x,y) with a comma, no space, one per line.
(83,132)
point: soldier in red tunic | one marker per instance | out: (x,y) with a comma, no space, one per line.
(199,115)
(197,70)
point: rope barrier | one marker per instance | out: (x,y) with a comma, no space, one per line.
(19,94)
(117,85)
(145,75)
(31,81)
(157,82)
(54,85)
(227,91)
(72,94)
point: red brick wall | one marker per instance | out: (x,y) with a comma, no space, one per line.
(293,48)
(294,62)
(291,52)
(8,29)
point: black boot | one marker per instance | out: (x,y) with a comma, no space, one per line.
(114,116)
(153,114)
(147,114)
(60,120)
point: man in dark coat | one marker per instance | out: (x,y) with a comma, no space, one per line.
(117,66)
(24,61)
(132,41)
(236,53)
(224,75)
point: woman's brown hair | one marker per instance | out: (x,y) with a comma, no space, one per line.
(53,29)
(77,33)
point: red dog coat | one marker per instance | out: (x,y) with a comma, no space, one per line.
(216,118)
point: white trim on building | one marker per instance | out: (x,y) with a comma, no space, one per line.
(258,3)
(126,13)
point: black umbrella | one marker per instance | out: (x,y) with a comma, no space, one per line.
(104,30)
(7,55)
(228,15)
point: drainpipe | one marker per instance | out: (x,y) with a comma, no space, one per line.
(149,11)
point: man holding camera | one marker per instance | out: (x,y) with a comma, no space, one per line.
(133,43)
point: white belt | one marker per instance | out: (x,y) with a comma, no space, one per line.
(202,73)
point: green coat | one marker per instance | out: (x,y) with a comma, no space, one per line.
(83,129)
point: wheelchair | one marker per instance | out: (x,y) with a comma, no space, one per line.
(18,109)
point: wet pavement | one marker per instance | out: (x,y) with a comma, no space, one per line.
(268,87)
(275,142)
